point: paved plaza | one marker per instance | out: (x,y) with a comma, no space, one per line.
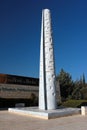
(11,121)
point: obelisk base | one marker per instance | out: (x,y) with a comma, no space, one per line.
(45,114)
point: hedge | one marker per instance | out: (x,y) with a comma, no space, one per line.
(74,103)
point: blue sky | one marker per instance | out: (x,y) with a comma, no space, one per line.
(20,28)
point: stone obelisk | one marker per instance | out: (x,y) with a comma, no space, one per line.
(47,88)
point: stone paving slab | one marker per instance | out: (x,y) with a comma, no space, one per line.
(11,121)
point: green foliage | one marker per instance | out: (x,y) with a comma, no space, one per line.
(75,103)
(83,79)
(80,89)
(66,84)
(76,94)
(84,93)
(72,89)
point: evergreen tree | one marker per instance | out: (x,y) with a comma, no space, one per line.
(66,84)
(80,90)
(83,79)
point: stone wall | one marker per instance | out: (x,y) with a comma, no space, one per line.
(17,91)
(13,91)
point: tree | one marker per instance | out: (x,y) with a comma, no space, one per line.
(83,80)
(80,89)
(66,84)
(76,94)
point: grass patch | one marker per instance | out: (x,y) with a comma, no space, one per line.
(74,103)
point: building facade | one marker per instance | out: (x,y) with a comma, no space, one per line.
(13,86)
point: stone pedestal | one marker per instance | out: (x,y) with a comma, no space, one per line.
(83,110)
(45,114)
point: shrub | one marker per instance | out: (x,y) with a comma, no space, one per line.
(74,103)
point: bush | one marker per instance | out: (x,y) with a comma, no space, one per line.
(74,103)
(34,100)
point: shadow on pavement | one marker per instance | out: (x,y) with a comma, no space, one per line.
(3,109)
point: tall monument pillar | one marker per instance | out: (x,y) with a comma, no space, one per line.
(47,88)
